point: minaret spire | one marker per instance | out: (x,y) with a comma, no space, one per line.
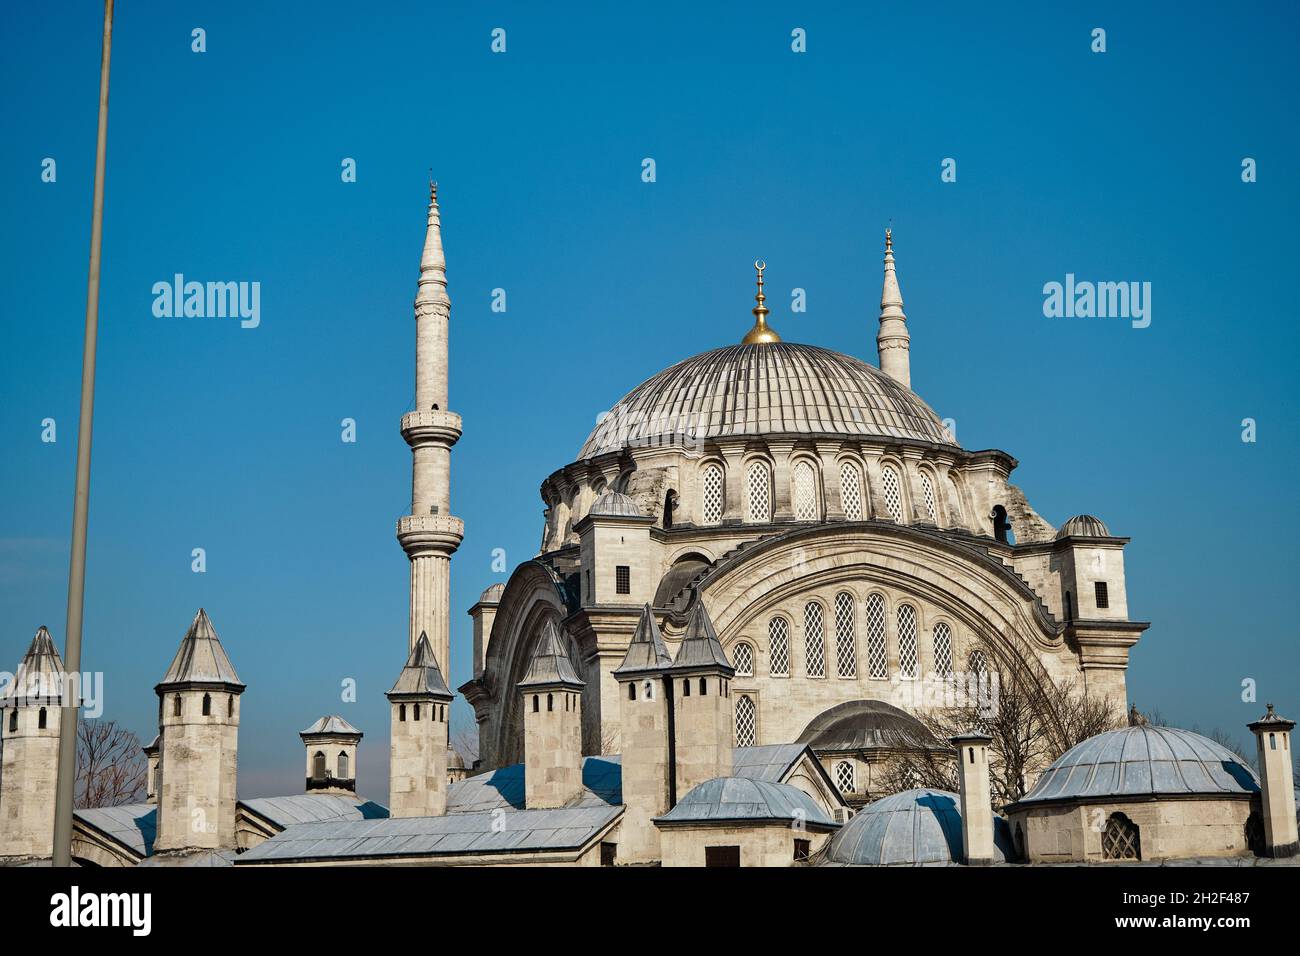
(893,342)
(429,534)
(761,333)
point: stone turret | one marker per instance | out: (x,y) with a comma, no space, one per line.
(552,705)
(198,717)
(417,771)
(1277,785)
(703,723)
(429,534)
(615,550)
(331,744)
(976,803)
(29,726)
(893,343)
(645,719)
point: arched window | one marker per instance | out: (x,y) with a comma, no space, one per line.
(647,691)
(956,496)
(846,654)
(176,706)
(713,494)
(814,639)
(343,765)
(977,663)
(670,506)
(778,639)
(877,652)
(417,712)
(908,659)
(631,690)
(759,486)
(893,493)
(744,660)
(704,686)
(550,703)
(1121,839)
(845,777)
(851,491)
(927,496)
(13,720)
(207,705)
(230,705)
(745,735)
(537,704)
(401,712)
(686,687)
(943,650)
(318,766)
(1001,526)
(41,718)
(804,484)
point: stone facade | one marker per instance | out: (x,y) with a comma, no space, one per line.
(200,747)
(772,844)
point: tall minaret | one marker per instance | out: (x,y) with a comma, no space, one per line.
(892,342)
(429,534)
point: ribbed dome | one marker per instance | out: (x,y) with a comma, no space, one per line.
(912,828)
(1085,526)
(615,504)
(775,388)
(744,798)
(1142,761)
(865,725)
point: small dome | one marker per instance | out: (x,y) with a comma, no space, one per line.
(454,760)
(615,504)
(912,828)
(1143,761)
(1084,526)
(492,594)
(742,799)
(867,724)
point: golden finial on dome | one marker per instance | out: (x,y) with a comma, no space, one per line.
(889,238)
(760,334)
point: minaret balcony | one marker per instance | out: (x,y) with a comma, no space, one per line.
(430,534)
(423,428)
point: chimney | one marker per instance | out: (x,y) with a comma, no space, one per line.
(976,806)
(1273,732)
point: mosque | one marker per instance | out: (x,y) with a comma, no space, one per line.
(761,567)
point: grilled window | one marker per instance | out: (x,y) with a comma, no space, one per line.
(343,765)
(745,735)
(778,636)
(814,636)
(977,663)
(893,494)
(845,777)
(805,492)
(942,650)
(908,658)
(744,660)
(877,652)
(851,491)
(846,655)
(713,496)
(760,492)
(927,496)
(1121,839)
(802,850)
(623,579)
(1103,594)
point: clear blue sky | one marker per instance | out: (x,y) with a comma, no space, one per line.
(225,165)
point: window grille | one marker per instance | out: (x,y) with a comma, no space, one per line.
(623,579)
(927,494)
(908,658)
(943,650)
(977,663)
(877,653)
(745,735)
(713,496)
(778,635)
(893,497)
(851,491)
(760,494)
(846,658)
(343,765)
(845,778)
(805,492)
(1103,594)
(1121,839)
(744,660)
(814,635)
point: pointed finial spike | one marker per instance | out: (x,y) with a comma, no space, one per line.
(760,334)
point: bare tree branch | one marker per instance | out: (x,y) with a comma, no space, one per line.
(111,768)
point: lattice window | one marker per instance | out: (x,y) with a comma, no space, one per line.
(845,777)
(851,491)
(927,496)
(805,492)
(814,636)
(977,663)
(846,654)
(760,492)
(743,658)
(908,658)
(713,494)
(778,636)
(1121,839)
(943,650)
(877,653)
(956,496)
(745,721)
(893,494)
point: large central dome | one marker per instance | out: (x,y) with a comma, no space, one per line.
(773,388)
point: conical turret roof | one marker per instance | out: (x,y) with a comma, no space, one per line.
(550,665)
(39,677)
(331,726)
(700,648)
(647,652)
(201,659)
(421,677)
